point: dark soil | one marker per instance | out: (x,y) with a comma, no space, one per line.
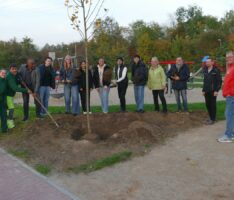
(70,146)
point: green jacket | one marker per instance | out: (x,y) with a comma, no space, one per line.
(12,86)
(2,88)
(157,78)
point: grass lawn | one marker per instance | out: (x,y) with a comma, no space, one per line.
(130,108)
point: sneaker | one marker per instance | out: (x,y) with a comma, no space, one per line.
(141,111)
(85,113)
(90,113)
(210,122)
(39,117)
(25,119)
(224,139)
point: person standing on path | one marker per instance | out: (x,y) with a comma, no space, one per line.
(102,79)
(30,76)
(211,85)
(139,79)
(228,93)
(179,74)
(47,81)
(82,83)
(157,83)
(121,75)
(12,88)
(3,104)
(71,87)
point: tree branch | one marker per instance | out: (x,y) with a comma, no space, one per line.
(94,9)
(77,3)
(99,9)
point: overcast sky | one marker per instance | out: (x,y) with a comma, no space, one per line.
(46,21)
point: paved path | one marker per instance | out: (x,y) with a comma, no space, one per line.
(194,96)
(19,182)
(192,166)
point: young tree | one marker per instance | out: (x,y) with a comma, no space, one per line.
(84,15)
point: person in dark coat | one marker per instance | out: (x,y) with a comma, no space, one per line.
(47,81)
(139,79)
(82,84)
(102,76)
(179,74)
(121,75)
(3,103)
(211,85)
(30,76)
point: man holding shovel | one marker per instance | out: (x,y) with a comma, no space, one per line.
(30,79)
(12,88)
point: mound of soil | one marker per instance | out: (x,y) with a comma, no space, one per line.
(70,146)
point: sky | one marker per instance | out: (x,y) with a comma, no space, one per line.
(46,21)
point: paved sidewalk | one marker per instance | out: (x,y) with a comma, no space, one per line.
(19,182)
(191,166)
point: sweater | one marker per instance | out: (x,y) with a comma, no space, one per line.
(228,85)
(12,86)
(157,78)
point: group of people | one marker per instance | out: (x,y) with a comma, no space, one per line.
(38,81)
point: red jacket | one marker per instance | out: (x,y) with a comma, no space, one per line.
(228,86)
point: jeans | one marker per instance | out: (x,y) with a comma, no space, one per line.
(26,98)
(211,104)
(229,113)
(159,93)
(44,97)
(71,93)
(183,94)
(104,97)
(122,89)
(139,96)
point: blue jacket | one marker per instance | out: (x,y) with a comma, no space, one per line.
(183,74)
(70,74)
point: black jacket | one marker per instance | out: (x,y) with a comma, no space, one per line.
(125,80)
(139,74)
(82,79)
(96,78)
(212,80)
(42,71)
(183,74)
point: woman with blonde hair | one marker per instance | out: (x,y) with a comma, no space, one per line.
(157,83)
(69,77)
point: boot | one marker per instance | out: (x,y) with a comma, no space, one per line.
(10,124)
